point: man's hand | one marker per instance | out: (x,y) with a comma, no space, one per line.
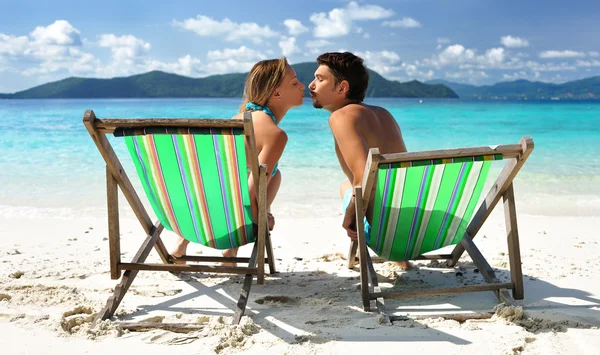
(349,222)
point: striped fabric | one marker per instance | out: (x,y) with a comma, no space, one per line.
(197,184)
(421,207)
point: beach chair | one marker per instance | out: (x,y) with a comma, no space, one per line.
(194,174)
(424,201)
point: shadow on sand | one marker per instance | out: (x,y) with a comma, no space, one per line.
(319,307)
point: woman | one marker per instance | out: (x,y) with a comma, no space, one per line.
(271,89)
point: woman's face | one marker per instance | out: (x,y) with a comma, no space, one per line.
(291,90)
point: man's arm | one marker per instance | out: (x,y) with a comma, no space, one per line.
(354,149)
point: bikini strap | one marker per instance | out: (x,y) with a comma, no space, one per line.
(256,107)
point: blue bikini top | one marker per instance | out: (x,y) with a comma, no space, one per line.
(256,107)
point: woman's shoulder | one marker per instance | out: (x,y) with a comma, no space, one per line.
(256,115)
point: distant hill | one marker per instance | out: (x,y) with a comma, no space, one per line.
(160,84)
(584,89)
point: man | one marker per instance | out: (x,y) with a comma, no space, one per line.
(340,84)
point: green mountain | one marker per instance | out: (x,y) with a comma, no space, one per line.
(160,84)
(584,89)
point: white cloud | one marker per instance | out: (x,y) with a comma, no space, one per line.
(338,22)
(594,54)
(227,66)
(231,60)
(47,49)
(294,27)
(520,75)
(493,57)
(366,35)
(73,61)
(455,54)
(587,63)
(60,33)
(513,42)
(207,27)
(367,12)
(471,76)
(382,62)
(535,66)
(124,48)
(12,45)
(317,43)
(458,55)
(561,54)
(413,72)
(186,65)
(237,54)
(288,46)
(405,22)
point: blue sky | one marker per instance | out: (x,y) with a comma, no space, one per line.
(469,41)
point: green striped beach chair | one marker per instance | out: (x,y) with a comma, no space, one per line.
(194,173)
(424,201)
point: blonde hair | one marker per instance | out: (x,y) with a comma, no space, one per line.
(262,80)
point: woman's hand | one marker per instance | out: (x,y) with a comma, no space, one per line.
(270,221)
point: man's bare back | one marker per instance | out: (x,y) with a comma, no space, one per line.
(377,127)
(358,128)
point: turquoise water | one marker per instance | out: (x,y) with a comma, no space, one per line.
(50,166)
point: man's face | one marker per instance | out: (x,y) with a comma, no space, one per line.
(323,88)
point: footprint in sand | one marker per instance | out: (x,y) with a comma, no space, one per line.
(278,299)
(155,292)
(332,257)
(72,320)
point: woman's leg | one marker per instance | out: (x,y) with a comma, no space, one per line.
(272,188)
(180,249)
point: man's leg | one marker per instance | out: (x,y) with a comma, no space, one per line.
(346,187)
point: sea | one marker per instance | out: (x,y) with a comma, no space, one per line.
(50,167)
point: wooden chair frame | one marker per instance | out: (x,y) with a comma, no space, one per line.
(516,154)
(117,178)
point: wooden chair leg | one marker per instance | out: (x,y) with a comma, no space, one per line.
(128,276)
(485,269)
(362,250)
(114,237)
(379,302)
(352,254)
(514,252)
(245,292)
(270,256)
(262,222)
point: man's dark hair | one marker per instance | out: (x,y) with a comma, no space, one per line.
(347,66)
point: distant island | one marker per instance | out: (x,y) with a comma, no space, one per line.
(584,89)
(158,84)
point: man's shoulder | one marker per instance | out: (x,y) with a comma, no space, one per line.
(350,113)
(377,110)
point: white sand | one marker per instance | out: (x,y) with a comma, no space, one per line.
(54,275)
